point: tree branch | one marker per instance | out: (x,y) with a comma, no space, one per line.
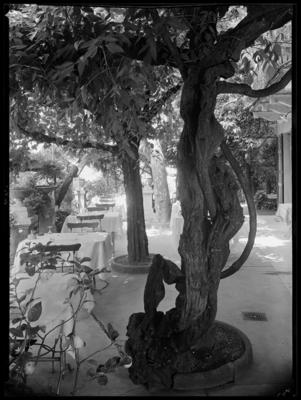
(277,72)
(258,21)
(246,90)
(151,110)
(252,213)
(43,138)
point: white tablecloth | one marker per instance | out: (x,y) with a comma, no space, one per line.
(52,289)
(111,222)
(96,245)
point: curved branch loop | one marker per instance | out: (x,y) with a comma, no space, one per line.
(246,90)
(252,213)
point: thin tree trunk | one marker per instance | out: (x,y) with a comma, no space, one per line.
(136,234)
(161,191)
(154,159)
(61,191)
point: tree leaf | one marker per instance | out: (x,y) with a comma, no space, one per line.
(114,48)
(91,372)
(81,65)
(65,65)
(152,47)
(102,380)
(16,331)
(84,259)
(100,368)
(89,43)
(125,361)
(35,312)
(30,270)
(176,23)
(33,330)
(20,299)
(92,362)
(16,320)
(113,334)
(91,51)
(86,269)
(111,364)
(77,44)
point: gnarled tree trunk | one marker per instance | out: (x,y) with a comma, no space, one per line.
(136,234)
(163,344)
(210,205)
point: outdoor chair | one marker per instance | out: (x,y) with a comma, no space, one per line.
(68,248)
(84,218)
(50,353)
(101,207)
(54,353)
(106,203)
(53,253)
(42,256)
(81,225)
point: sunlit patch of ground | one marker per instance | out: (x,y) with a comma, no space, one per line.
(153,231)
(265,228)
(267,241)
(273,257)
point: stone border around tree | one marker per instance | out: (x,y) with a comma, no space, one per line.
(225,374)
(120,267)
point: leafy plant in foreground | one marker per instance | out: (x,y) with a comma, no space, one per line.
(26,331)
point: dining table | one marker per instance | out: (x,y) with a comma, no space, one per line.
(111,222)
(95,245)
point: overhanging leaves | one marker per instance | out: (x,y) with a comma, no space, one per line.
(34,312)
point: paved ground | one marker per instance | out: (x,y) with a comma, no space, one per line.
(263,285)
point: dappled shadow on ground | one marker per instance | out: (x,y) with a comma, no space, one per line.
(272,245)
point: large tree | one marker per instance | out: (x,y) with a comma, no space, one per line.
(197,42)
(122,96)
(208,194)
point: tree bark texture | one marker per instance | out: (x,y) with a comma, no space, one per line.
(164,344)
(161,191)
(136,234)
(61,191)
(210,205)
